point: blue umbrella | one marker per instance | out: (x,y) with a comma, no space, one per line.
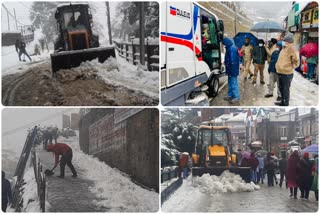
(240,38)
(267,27)
(313,149)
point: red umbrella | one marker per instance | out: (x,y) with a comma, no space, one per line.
(309,50)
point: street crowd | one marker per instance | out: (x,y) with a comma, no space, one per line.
(282,57)
(296,172)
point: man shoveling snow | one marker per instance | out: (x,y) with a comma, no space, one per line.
(66,152)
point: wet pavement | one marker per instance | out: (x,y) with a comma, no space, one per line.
(267,199)
(303,92)
(68,194)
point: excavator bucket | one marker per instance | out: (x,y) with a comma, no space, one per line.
(71,59)
(244,172)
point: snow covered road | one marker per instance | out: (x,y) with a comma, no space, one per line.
(98,187)
(206,198)
(302,92)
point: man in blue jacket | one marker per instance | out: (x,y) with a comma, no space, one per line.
(232,63)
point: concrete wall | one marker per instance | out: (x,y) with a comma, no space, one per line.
(75,118)
(127,139)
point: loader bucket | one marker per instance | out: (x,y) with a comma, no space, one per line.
(244,172)
(71,59)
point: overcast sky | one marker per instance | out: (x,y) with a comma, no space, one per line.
(263,11)
(23,10)
(24,118)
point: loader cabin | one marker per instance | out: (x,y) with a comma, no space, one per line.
(74,24)
(213,146)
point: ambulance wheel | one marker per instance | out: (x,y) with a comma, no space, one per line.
(213,87)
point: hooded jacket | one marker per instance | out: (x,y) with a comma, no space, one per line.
(288,60)
(231,59)
(58,149)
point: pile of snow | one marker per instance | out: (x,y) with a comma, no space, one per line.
(114,188)
(205,189)
(226,182)
(31,201)
(120,72)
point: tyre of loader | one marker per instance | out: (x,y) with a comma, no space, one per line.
(71,59)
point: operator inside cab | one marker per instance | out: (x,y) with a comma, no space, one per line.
(210,44)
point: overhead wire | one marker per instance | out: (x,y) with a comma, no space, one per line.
(23,127)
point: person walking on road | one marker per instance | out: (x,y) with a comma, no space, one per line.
(283,170)
(246,50)
(66,157)
(260,176)
(183,165)
(315,172)
(270,168)
(305,175)
(22,50)
(6,192)
(292,174)
(259,59)
(254,163)
(312,63)
(273,76)
(231,62)
(288,60)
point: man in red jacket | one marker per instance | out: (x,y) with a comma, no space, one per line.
(66,152)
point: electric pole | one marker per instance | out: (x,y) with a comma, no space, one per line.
(142,32)
(15,18)
(109,23)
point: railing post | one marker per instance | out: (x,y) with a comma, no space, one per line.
(127,50)
(133,54)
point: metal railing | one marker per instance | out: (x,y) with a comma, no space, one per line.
(169,173)
(29,147)
(131,52)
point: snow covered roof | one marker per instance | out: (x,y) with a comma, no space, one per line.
(226,116)
(238,118)
(71,3)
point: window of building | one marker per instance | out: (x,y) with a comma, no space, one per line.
(283,131)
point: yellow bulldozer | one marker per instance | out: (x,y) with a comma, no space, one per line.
(76,41)
(214,154)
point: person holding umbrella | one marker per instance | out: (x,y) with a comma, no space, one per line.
(288,60)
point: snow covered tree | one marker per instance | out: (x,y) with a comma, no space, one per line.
(42,17)
(177,137)
(126,23)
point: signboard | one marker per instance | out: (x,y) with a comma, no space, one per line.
(283,138)
(122,114)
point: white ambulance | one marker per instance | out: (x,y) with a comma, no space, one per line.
(191,47)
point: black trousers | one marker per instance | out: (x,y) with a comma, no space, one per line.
(282,176)
(304,192)
(270,176)
(66,160)
(25,53)
(294,191)
(284,86)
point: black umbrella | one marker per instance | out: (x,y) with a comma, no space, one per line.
(267,27)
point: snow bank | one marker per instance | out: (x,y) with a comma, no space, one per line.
(114,188)
(31,201)
(205,189)
(226,182)
(120,72)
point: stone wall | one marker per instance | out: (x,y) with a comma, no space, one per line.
(127,139)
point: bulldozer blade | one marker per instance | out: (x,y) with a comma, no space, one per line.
(243,172)
(71,59)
